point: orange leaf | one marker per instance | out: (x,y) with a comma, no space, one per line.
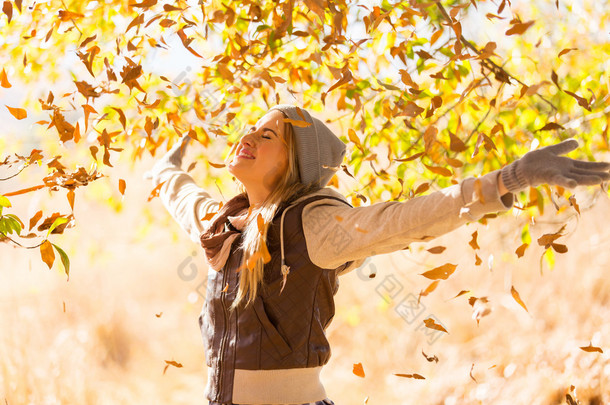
(25,190)
(430,288)
(216,165)
(297,123)
(47,254)
(473,242)
(358,370)
(517,298)
(71,199)
(442,272)
(18,113)
(35,219)
(591,349)
(155,191)
(461,293)
(443,171)
(4,80)
(122,186)
(430,323)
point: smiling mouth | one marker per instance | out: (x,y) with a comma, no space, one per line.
(245,155)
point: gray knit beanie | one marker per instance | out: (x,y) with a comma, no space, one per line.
(319,151)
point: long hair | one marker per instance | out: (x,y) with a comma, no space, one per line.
(254,242)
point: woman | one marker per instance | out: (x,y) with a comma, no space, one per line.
(275,250)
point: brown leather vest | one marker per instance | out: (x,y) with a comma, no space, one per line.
(277,331)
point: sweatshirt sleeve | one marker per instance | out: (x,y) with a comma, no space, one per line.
(186,202)
(336,233)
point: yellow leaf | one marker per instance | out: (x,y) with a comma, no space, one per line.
(358,370)
(47,254)
(517,298)
(18,113)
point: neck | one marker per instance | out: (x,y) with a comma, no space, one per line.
(256,196)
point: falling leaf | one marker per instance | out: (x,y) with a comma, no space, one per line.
(415,376)
(297,123)
(471,376)
(517,298)
(591,349)
(574,204)
(559,248)
(442,272)
(443,171)
(216,165)
(519,28)
(122,186)
(430,358)
(358,370)
(171,363)
(430,323)
(583,102)
(430,288)
(18,113)
(564,51)
(25,190)
(521,249)
(7,8)
(46,252)
(473,242)
(437,250)
(461,293)
(155,191)
(159,314)
(4,80)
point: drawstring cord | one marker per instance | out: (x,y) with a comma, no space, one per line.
(284,268)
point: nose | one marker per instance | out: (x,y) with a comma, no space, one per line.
(249,139)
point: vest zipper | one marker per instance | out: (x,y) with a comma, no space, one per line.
(223,340)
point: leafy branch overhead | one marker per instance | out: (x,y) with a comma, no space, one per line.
(420,102)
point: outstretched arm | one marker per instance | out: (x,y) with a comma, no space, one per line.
(186,202)
(336,234)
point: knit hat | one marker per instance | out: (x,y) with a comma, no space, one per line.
(319,151)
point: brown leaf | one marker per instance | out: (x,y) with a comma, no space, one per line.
(583,102)
(358,370)
(574,204)
(422,188)
(47,254)
(554,78)
(591,349)
(521,250)
(431,324)
(415,376)
(442,272)
(559,248)
(4,80)
(519,28)
(471,376)
(217,165)
(144,4)
(550,126)
(456,143)
(18,113)
(412,157)
(564,51)
(437,250)
(7,8)
(430,358)
(430,288)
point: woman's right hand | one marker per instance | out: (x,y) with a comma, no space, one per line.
(173,156)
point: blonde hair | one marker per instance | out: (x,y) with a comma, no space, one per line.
(254,242)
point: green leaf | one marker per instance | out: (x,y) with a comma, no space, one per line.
(64,259)
(58,221)
(14,223)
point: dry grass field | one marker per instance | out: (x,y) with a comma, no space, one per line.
(131,303)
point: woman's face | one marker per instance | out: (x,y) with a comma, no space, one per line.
(261,156)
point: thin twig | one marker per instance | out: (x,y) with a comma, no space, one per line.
(19,244)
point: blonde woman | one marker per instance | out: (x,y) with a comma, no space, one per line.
(275,251)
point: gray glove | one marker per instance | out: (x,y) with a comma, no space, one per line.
(544,165)
(173,156)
